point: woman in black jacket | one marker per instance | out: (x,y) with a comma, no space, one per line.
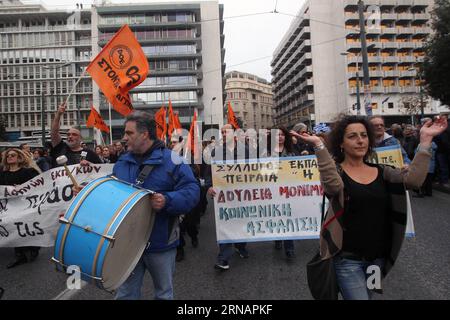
(18,168)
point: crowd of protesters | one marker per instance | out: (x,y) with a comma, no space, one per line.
(300,141)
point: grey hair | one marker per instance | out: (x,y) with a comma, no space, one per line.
(300,126)
(145,122)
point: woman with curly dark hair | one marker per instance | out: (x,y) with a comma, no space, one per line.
(366,221)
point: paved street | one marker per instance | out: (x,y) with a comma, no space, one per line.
(421,272)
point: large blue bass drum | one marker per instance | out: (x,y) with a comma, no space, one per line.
(105,231)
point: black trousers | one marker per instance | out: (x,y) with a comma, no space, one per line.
(427,186)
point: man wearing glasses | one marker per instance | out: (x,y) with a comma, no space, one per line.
(383,139)
(71,148)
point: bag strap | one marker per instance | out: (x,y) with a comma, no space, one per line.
(323,210)
(146,170)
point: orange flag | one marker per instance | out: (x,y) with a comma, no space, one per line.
(177,123)
(96,120)
(161,126)
(193,138)
(118,68)
(231,117)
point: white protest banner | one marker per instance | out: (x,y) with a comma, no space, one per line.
(267,199)
(29,212)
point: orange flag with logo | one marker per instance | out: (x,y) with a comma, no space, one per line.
(118,68)
(231,117)
(193,138)
(161,125)
(96,120)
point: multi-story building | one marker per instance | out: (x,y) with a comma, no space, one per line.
(314,67)
(47,51)
(251,99)
(184,44)
(42,54)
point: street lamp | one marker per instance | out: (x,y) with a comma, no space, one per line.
(210,108)
(358,90)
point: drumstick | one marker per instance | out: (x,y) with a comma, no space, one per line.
(62,160)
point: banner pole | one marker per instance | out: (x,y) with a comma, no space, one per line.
(74,87)
(110,124)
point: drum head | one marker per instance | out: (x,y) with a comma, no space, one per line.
(131,237)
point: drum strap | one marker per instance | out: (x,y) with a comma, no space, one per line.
(146,170)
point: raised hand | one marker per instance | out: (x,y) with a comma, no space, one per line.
(432,129)
(62,108)
(313,140)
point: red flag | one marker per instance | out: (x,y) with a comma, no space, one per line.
(231,117)
(118,68)
(193,139)
(161,125)
(96,120)
(178,126)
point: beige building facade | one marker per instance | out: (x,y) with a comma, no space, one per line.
(251,99)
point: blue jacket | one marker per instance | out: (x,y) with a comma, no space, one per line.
(175,181)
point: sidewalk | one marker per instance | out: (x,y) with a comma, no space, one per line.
(438,187)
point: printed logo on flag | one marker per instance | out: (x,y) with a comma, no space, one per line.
(121,56)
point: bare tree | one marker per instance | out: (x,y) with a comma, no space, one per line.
(412,104)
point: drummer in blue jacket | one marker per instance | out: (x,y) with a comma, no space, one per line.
(177,193)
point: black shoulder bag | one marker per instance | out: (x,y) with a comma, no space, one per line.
(321,275)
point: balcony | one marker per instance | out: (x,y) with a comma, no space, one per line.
(406,45)
(350,3)
(407,59)
(351,16)
(390,59)
(422,17)
(419,45)
(391,74)
(354,45)
(352,31)
(421,3)
(405,16)
(425,30)
(354,89)
(388,3)
(377,89)
(392,89)
(388,30)
(390,45)
(352,60)
(376,73)
(408,74)
(375,59)
(405,31)
(388,16)
(404,3)
(410,89)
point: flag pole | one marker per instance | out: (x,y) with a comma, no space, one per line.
(101,135)
(110,124)
(74,87)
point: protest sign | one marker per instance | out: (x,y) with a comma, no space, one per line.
(268,199)
(392,156)
(29,212)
